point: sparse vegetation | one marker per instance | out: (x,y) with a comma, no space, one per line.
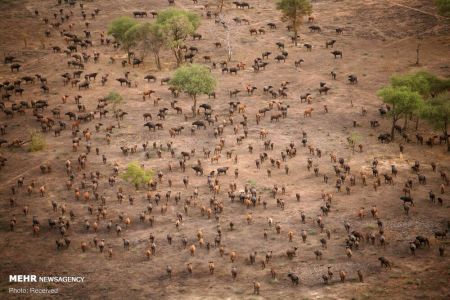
(353,140)
(252,182)
(137,175)
(37,142)
(114,98)
(443,7)
(8,2)
(129,180)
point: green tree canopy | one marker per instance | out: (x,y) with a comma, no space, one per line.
(177,25)
(118,28)
(194,80)
(294,11)
(402,100)
(436,85)
(416,82)
(443,7)
(423,82)
(149,37)
(437,112)
(137,175)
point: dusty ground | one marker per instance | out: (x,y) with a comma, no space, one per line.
(380,38)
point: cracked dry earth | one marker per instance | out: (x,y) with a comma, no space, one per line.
(379,39)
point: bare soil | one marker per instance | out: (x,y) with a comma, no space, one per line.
(379,39)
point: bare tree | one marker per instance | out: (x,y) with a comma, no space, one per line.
(227,25)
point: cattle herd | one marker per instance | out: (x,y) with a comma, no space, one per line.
(273,187)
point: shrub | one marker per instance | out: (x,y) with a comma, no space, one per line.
(114,97)
(252,182)
(37,142)
(443,7)
(137,175)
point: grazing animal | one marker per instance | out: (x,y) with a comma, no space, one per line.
(294,278)
(337,53)
(308,112)
(384,262)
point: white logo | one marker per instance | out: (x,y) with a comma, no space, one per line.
(22,278)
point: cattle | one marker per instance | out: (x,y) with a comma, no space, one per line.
(198,170)
(280,57)
(8,59)
(294,278)
(150,78)
(324,89)
(196,36)
(199,124)
(140,14)
(222,170)
(337,53)
(15,66)
(330,43)
(136,61)
(315,28)
(353,79)
(308,47)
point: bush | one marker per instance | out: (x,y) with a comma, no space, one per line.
(37,142)
(443,7)
(251,182)
(137,175)
(114,97)
(8,2)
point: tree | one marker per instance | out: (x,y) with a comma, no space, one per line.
(443,7)
(353,140)
(137,174)
(227,25)
(437,112)
(417,82)
(426,84)
(116,99)
(403,102)
(118,29)
(294,11)
(193,79)
(436,84)
(149,37)
(176,26)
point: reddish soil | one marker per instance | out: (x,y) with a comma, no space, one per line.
(379,39)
